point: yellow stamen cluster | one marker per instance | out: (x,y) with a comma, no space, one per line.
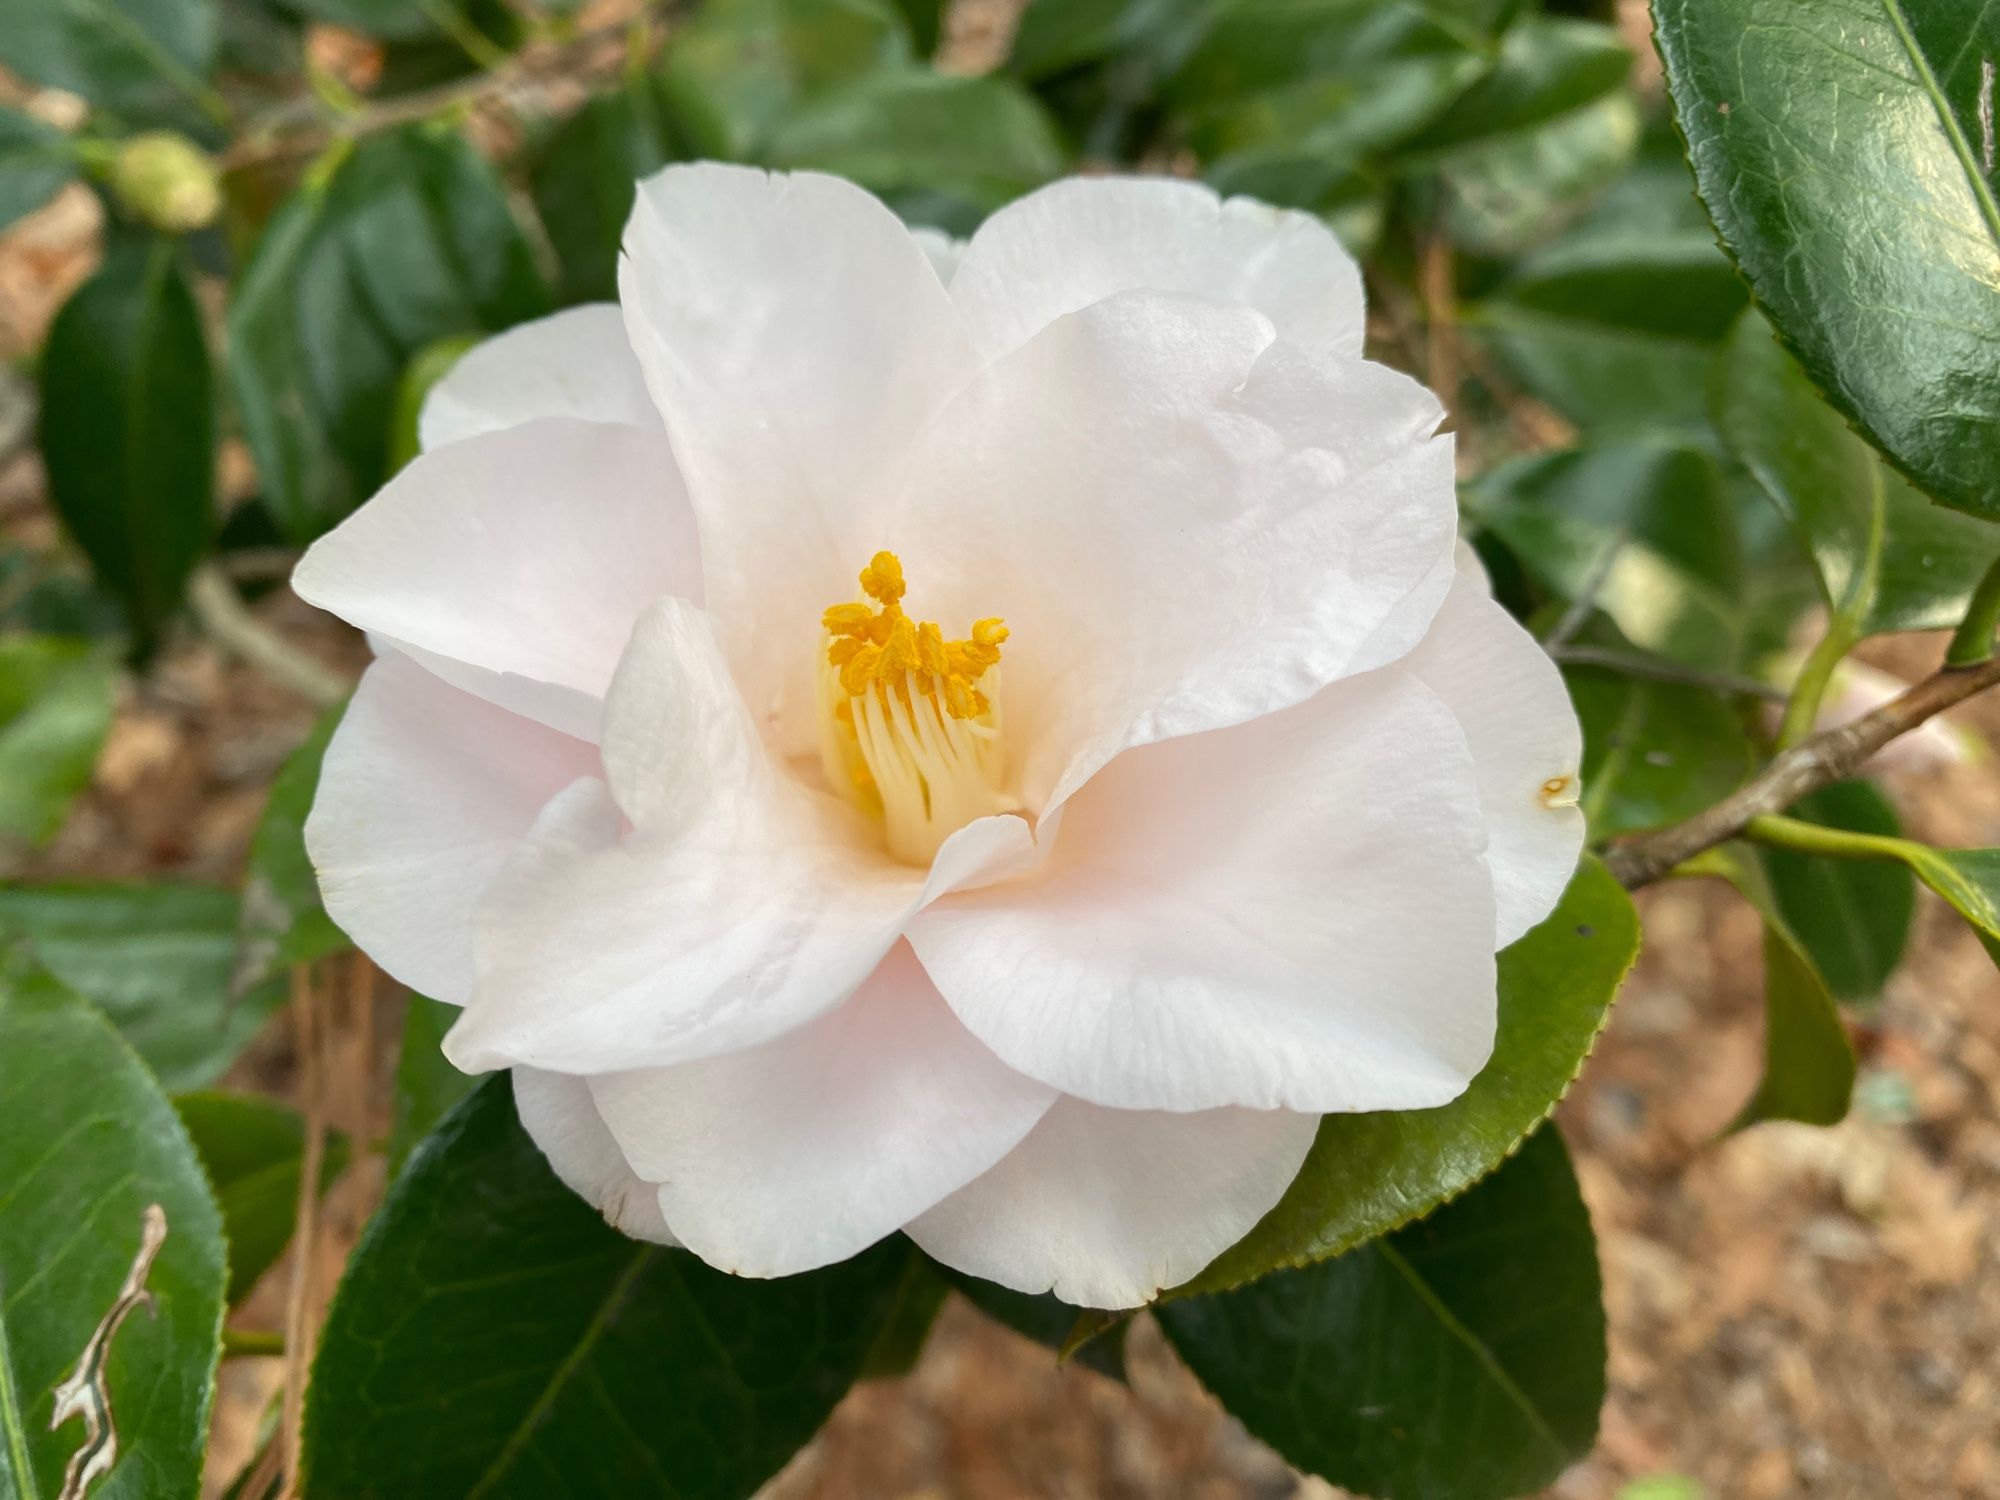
(885,649)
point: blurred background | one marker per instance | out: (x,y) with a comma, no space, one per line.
(361,189)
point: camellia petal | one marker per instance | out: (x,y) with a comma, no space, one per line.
(1527,746)
(1183,525)
(1104,1207)
(576,363)
(805,1150)
(1288,914)
(1083,239)
(795,338)
(424,793)
(558,1113)
(739,905)
(514,564)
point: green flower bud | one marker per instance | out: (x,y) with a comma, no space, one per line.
(168,181)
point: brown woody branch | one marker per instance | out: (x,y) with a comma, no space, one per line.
(1818,762)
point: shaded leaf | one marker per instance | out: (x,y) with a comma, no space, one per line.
(1370,1173)
(128,428)
(156,959)
(55,709)
(90,1146)
(906,1327)
(583,178)
(147,61)
(492,1330)
(253,1149)
(1842,151)
(427,1086)
(404,241)
(35,160)
(1852,917)
(1461,1358)
(1654,752)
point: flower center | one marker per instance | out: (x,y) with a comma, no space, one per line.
(905,728)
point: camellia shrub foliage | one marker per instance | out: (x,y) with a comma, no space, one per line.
(1714,336)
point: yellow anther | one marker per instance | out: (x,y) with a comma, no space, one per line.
(848,619)
(992,633)
(882,579)
(930,650)
(884,648)
(859,670)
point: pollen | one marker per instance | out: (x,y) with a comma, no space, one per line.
(909,727)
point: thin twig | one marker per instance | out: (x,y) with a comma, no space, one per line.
(1578,614)
(229,622)
(1818,762)
(1657,669)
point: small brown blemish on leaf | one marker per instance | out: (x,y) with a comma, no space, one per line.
(1559,791)
(1722,108)
(85,1393)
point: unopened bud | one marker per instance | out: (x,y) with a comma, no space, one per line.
(168,181)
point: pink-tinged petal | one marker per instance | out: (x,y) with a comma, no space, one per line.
(558,1113)
(1083,239)
(514,564)
(795,338)
(576,363)
(805,1150)
(1527,748)
(1106,1207)
(1184,525)
(704,901)
(424,794)
(1290,914)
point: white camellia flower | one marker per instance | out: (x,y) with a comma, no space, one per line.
(805,909)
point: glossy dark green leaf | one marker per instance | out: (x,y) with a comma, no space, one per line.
(92,1153)
(282,922)
(1969,879)
(1847,157)
(128,428)
(406,240)
(1046,1320)
(738,67)
(427,1086)
(1370,1173)
(35,160)
(1644,526)
(156,959)
(1853,917)
(1654,752)
(55,708)
(253,1150)
(583,178)
(147,61)
(1887,558)
(1808,1056)
(1461,1358)
(944,150)
(1615,324)
(492,1332)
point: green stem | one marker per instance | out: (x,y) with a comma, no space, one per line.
(1815,838)
(251,1343)
(1972,643)
(1802,712)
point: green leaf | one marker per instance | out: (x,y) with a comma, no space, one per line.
(1887,559)
(1846,156)
(1852,917)
(282,922)
(1056,35)
(1461,1358)
(1969,880)
(1654,752)
(390,20)
(406,240)
(1616,323)
(35,160)
(738,67)
(253,1149)
(1370,1173)
(492,1331)
(427,1086)
(1046,1320)
(1643,526)
(128,428)
(156,959)
(1548,67)
(925,18)
(906,1326)
(55,709)
(146,61)
(583,178)
(943,149)
(91,1151)
(1508,194)
(1808,1057)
